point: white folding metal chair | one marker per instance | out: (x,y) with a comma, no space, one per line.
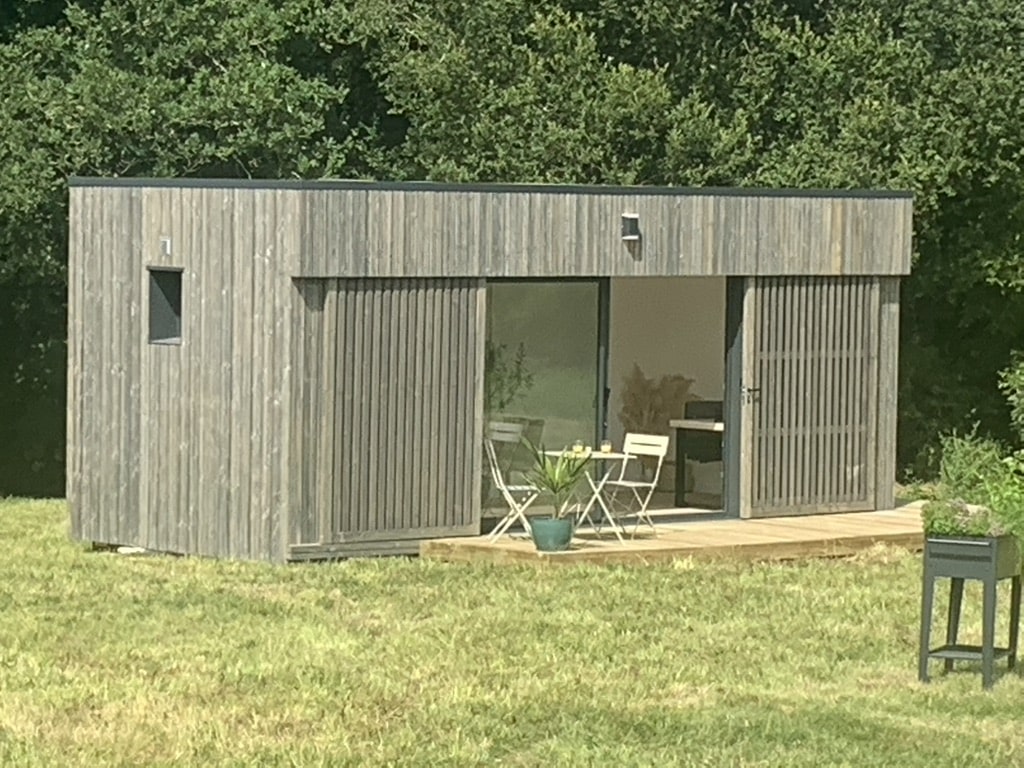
(517,497)
(653,446)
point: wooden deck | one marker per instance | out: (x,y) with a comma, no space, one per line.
(783,538)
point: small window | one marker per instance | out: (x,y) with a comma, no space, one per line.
(164,306)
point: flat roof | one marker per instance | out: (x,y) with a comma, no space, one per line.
(435,186)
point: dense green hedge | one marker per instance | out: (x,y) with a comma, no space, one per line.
(923,95)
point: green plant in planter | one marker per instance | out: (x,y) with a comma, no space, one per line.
(557,475)
(980,491)
(971,467)
(973,528)
(1005,495)
(955,517)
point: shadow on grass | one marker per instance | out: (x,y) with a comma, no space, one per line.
(733,731)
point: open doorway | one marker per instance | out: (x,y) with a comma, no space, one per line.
(666,363)
(588,359)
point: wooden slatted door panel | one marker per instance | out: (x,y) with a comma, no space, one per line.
(393,452)
(810,395)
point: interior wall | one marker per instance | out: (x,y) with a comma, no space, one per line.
(667,327)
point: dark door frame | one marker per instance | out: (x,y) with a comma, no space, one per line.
(735,391)
(604,292)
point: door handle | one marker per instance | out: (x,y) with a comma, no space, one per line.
(751,394)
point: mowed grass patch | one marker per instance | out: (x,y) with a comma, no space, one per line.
(113,660)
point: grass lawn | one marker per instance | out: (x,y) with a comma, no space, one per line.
(112,660)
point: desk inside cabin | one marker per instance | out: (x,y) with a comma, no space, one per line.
(697,437)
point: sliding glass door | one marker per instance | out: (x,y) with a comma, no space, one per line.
(543,355)
(544,368)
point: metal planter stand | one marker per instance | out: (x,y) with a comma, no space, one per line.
(988,560)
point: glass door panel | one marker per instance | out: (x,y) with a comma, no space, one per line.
(542,364)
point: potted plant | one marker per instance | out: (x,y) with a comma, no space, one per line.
(557,477)
(980,496)
(972,530)
(965,540)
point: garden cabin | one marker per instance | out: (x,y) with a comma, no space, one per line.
(289,370)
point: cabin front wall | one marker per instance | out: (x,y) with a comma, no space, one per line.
(536,233)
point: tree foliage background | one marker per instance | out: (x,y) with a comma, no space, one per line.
(925,95)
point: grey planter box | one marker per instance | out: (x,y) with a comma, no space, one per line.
(967,557)
(958,558)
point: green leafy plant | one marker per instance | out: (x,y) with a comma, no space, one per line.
(955,517)
(980,490)
(970,466)
(505,375)
(557,475)
(1011,384)
(1005,494)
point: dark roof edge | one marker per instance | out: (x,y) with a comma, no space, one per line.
(433,186)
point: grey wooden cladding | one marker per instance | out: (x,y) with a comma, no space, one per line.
(815,377)
(391,410)
(888,385)
(212,408)
(178,448)
(104,296)
(399,233)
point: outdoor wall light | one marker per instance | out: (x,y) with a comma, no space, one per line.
(630,227)
(165,246)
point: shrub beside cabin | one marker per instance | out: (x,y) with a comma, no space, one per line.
(295,370)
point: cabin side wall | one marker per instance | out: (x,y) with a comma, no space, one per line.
(105,300)
(178,447)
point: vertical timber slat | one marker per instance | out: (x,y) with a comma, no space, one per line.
(885,435)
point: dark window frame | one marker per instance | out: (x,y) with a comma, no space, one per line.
(165,304)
